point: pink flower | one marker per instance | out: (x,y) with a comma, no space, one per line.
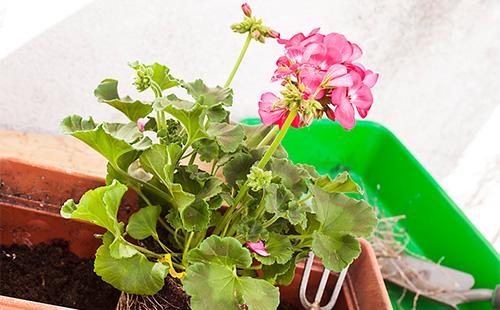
(321,68)
(141,123)
(258,247)
(346,98)
(246,9)
(271,112)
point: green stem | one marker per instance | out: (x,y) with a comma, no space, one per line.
(306,198)
(268,137)
(186,248)
(271,221)
(238,61)
(144,250)
(163,246)
(262,163)
(166,226)
(212,171)
(193,157)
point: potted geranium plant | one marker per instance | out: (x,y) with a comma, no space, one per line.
(233,231)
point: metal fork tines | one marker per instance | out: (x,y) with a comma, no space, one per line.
(316,304)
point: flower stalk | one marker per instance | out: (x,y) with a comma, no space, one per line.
(238,61)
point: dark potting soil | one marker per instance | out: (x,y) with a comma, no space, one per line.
(50,273)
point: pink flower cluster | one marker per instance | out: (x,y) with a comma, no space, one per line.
(323,68)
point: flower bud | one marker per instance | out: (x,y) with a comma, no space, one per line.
(273,34)
(246,9)
(330,114)
(258,178)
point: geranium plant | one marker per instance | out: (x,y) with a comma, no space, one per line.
(234,230)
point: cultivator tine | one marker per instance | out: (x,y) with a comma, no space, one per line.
(316,305)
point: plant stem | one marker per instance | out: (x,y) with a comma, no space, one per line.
(268,137)
(144,250)
(163,246)
(166,226)
(262,163)
(306,198)
(193,157)
(271,221)
(238,61)
(186,248)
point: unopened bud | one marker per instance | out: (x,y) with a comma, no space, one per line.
(246,9)
(330,114)
(258,178)
(273,34)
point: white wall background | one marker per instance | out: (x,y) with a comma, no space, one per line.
(438,61)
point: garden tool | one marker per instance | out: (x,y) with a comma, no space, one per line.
(439,283)
(316,304)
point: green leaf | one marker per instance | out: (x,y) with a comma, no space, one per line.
(107,92)
(214,287)
(341,214)
(335,250)
(228,136)
(276,199)
(142,224)
(196,216)
(296,214)
(162,77)
(134,275)
(293,177)
(161,161)
(211,188)
(211,96)
(190,116)
(225,251)
(343,183)
(251,231)
(342,219)
(111,140)
(237,168)
(279,247)
(282,274)
(217,114)
(100,206)
(309,171)
(207,149)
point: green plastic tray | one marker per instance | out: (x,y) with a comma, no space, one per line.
(396,182)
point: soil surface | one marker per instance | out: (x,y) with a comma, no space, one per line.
(50,273)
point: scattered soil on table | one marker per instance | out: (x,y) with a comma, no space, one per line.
(50,273)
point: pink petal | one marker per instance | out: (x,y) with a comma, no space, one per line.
(344,113)
(338,76)
(338,95)
(362,113)
(370,78)
(296,123)
(273,117)
(314,31)
(363,98)
(356,52)
(267,100)
(258,247)
(141,123)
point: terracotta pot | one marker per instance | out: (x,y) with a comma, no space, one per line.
(30,197)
